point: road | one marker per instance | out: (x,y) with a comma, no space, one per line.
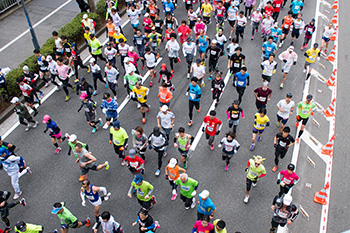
(55,177)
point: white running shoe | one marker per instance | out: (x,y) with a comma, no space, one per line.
(193,203)
(255,184)
(29,171)
(16,196)
(246,199)
(35,125)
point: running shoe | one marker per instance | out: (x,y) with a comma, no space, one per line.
(252,147)
(173,197)
(27,128)
(157,172)
(74,88)
(255,184)
(100,121)
(172,71)
(193,202)
(88,223)
(304,70)
(179,60)
(81,178)
(143,120)
(106,86)
(246,199)
(212,147)
(138,105)
(153,198)
(190,123)
(297,124)
(147,109)
(88,69)
(226,167)
(76,80)
(115,98)
(252,38)
(151,84)
(259,138)
(29,171)
(143,67)
(188,76)
(94,130)
(107,165)
(229,38)
(8,229)
(203,84)
(274,169)
(95,92)
(291,43)
(47,84)
(281,86)
(298,140)
(41,94)
(58,88)
(185,166)
(67,98)
(210,77)
(23,202)
(325,51)
(199,109)
(58,150)
(278,123)
(35,125)
(156,223)
(16,196)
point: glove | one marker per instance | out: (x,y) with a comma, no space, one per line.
(246,169)
(234,84)
(275,145)
(78,110)
(174,191)
(264,52)
(217,132)
(125,85)
(142,171)
(311,57)
(278,181)
(219,145)
(194,193)
(166,177)
(264,71)
(203,129)
(294,63)
(104,110)
(145,97)
(284,60)
(150,147)
(105,198)
(186,93)
(274,71)
(212,89)
(110,142)
(83,203)
(282,184)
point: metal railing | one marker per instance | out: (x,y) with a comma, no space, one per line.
(7,4)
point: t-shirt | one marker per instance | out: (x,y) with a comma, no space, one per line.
(198,71)
(206,207)
(62,71)
(150,59)
(283,142)
(253,171)
(118,136)
(111,74)
(211,125)
(286,107)
(110,53)
(289,178)
(139,141)
(328,32)
(241,21)
(141,93)
(232,13)
(296,6)
(142,190)
(173,172)
(305,109)
(312,54)
(241,79)
(194,92)
(187,188)
(134,162)
(165,120)
(269,48)
(237,60)
(234,113)
(260,122)
(200,229)
(217,231)
(229,147)
(206,9)
(134,16)
(66,217)
(31,228)
(262,95)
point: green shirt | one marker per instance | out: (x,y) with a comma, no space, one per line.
(304,109)
(142,190)
(73,145)
(187,188)
(132,79)
(66,217)
(216,231)
(253,171)
(95,44)
(118,136)
(183,142)
(31,228)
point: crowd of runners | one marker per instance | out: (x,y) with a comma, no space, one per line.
(202,52)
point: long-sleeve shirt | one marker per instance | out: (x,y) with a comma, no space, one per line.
(189,49)
(290,57)
(173,47)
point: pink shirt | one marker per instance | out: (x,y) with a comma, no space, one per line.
(184,30)
(62,71)
(256,17)
(199,27)
(133,57)
(289,178)
(201,229)
(147,23)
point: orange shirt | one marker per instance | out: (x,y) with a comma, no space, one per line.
(287,22)
(164,95)
(173,172)
(152,10)
(110,29)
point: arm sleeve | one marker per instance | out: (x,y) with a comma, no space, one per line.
(242,113)
(110,136)
(104,190)
(82,196)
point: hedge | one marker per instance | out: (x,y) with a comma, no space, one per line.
(74,32)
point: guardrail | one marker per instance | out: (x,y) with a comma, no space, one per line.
(7,4)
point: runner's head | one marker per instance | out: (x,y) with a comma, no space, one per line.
(300,15)
(183,22)
(143,213)
(138,84)
(205,220)
(190,9)
(290,13)
(212,114)
(184,177)
(107,96)
(220,31)
(204,195)
(271,57)
(138,179)
(291,49)
(265,85)
(37,52)
(198,62)
(220,3)
(309,98)
(258,160)
(48,58)
(220,225)
(156,131)
(286,131)
(287,199)
(290,168)
(172,36)
(78,147)
(230,136)
(289,96)
(138,32)
(172,162)
(57,208)
(243,69)
(55,34)
(262,112)
(214,42)
(64,38)
(121,41)
(241,14)
(139,131)
(85,184)
(116,125)
(194,81)
(199,19)
(148,50)
(92,61)
(21,226)
(46,119)
(235,103)
(182,131)
(189,39)
(270,39)
(25,69)
(163,67)
(164,109)
(132,153)
(86,29)
(218,75)
(72,139)
(315,46)
(105,216)
(59,61)
(109,65)
(312,22)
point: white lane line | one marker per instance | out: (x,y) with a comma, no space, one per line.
(212,107)
(35,25)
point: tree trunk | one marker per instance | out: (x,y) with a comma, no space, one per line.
(92,6)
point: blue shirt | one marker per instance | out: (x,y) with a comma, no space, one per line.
(206,207)
(241,79)
(168,7)
(296,5)
(195,92)
(269,48)
(111,107)
(275,32)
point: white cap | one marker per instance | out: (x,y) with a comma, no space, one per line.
(291,48)
(85,16)
(14,100)
(214,41)
(25,68)
(287,199)
(72,138)
(129,70)
(92,60)
(127,59)
(204,194)
(146,15)
(48,58)
(164,108)
(131,48)
(276,24)
(172,162)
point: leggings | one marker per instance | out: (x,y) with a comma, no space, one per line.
(96,76)
(5,213)
(29,119)
(189,64)
(227,158)
(306,41)
(192,104)
(240,91)
(248,9)
(172,60)
(65,85)
(53,79)
(255,27)
(98,55)
(76,64)
(216,94)
(210,139)
(160,158)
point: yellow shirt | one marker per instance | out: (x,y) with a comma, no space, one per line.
(216,231)
(141,93)
(313,53)
(206,9)
(117,37)
(260,122)
(87,38)
(118,136)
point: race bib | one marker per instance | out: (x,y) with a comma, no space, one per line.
(240,83)
(110,57)
(262,99)
(278,5)
(167,9)
(212,52)
(296,7)
(116,142)
(193,96)
(305,111)
(236,65)
(269,49)
(139,42)
(283,144)
(139,96)
(234,115)
(210,129)
(286,26)
(253,173)
(157,25)
(205,13)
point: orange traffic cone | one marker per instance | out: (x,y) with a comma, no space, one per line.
(321,197)
(335,5)
(331,80)
(329,112)
(335,18)
(328,148)
(334,34)
(331,56)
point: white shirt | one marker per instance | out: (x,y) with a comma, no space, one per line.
(116,19)
(95,68)
(221,39)
(123,50)
(58,44)
(111,74)
(173,47)
(192,16)
(232,13)
(10,164)
(290,57)
(52,67)
(165,120)
(269,67)
(267,23)
(328,32)
(198,71)
(229,146)
(241,21)
(189,48)
(285,107)
(150,59)
(134,16)
(231,49)
(110,53)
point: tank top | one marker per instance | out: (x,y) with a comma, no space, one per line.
(173,172)
(202,42)
(169,22)
(152,10)
(183,142)
(93,197)
(41,63)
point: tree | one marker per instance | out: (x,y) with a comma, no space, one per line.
(92,5)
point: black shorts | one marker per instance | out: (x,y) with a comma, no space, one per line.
(144,104)
(295,34)
(259,106)
(183,153)
(232,22)
(249,184)
(85,170)
(192,23)
(303,120)
(285,31)
(219,20)
(29,99)
(276,224)
(151,68)
(148,30)
(266,78)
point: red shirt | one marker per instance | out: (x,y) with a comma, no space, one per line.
(269,10)
(134,162)
(211,125)
(277,4)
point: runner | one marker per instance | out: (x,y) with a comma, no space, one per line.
(155,39)
(111,75)
(85,87)
(165,75)
(77,62)
(305,109)
(183,31)
(277,8)
(233,113)
(255,170)
(23,113)
(268,68)
(30,78)
(192,18)
(287,179)
(188,190)
(214,54)
(58,45)
(63,72)
(326,36)
(206,10)
(147,23)
(146,222)
(241,81)
(285,109)
(135,164)
(134,15)
(263,95)
(230,147)
(286,27)
(268,48)
(231,49)
(268,9)
(152,9)
(296,6)
(249,5)
(217,86)
(87,161)
(170,24)
(261,121)
(140,42)
(151,60)
(298,26)
(284,211)
(276,32)
(130,80)
(206,208)
(198,71)
(110,53)
(28,227)
(183,142)
(165,120)
(282,142)
(172,173)
(266,25)
(309,30)
(87,22)
(9,147)
(67,52)
(236,60)
(158,141)
(168,7)
(219,226)
(256,18)
(91,193)
(68,220)
(240,24)
(96,73)
(43,66)
(189,50)
(54,132)
(110,108)
(90,112)
(203,225)
(288,58)
(96,48)
(311,55)
(202,42)
(140,141)
(106,220)
(164,95)
(194,98)
(140,94)
(122,51)
(144,192)
(220,13)
(4,211)
(119,137)
(210,128)
(173,47)
(158,24)
(199,26)
(72,141)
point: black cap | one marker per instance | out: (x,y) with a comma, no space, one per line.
(289,95)
(156,131)
(92,35)
(21,226)
(309,97)
(291,167)
(235,102)
(316,45)
(106,95)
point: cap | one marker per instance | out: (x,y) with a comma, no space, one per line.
(214,41)
(72,138)
(46,118)
(316,45)
(92,60)
(235,102)
(81,79)
(92,35)
(85,16)
(21,226)
(116,124)
(73,45)
(25,68)
(275,24)
(127,59)
(289,95)
(204,194)
(198,61)
(189,39)
(172,163)
(309,97)
(56,209)
(291,48)
(48,58)
(164,108)
(131,48)
(14,100)
(83,96)
(287,199)
(146,15)
(129,70)
(163,66)
(156,131)
(138,179)
(132,152)
(291,167)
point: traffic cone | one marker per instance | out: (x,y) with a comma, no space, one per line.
(335,18)
(331,80)
(321,197)
(328,148)
(335,5)
(329,112)
(334,34)
(331,56)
